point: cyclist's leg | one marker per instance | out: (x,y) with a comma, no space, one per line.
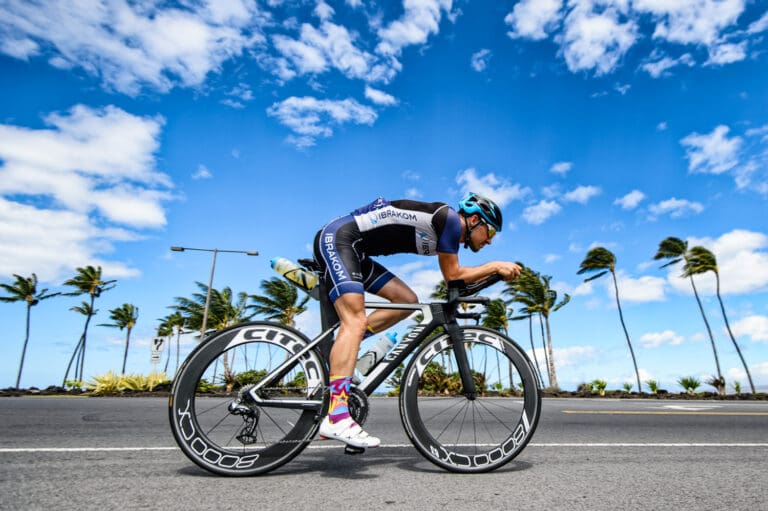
(338,424)
(381,282)
(396,291)
(335,251)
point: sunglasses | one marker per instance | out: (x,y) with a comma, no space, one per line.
(491,229)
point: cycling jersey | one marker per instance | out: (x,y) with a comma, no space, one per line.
(382,227)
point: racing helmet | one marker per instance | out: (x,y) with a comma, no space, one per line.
(487,209)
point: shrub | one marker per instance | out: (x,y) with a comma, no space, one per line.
(599,386)
(717,383)
(105,384)
(689,383)
(653,385)
(111,384)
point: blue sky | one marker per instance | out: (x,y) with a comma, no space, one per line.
(128,127)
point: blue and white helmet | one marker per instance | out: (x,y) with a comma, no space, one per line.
(487,209)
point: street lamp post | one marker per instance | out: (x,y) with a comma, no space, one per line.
(210,279)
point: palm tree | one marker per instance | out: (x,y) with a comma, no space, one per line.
(602,260)
(86,281)
(224,310)
(280,301)
(164,330)
(174,323)
(124,316)
(533,290)
(24,289)
(527,290)
(677,250)
(528,314)
(495,316)
(701,260)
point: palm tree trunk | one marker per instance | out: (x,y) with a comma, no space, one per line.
(533,349)
(626,334)
(178,334)
(709,330)
(553,375)
(24,348)
(730,333)
(167,356)
(82,347)
(71,359)
(125,354)
(544,345)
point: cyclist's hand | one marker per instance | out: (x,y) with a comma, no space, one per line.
(509,271)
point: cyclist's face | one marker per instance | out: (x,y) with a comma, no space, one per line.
(481,236)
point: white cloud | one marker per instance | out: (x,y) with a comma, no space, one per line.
(595,40)
(658,339)
(480,60)
(742,261)
(712,153)
(761,25)
(202,172)
(541,212)
(551,258)
(413,193)
(571,356)
(130,45)
(68,189)
(675,208)
(640,290)
(317,49)
(311,118)
(534,19)
(696,22)
(89,160)
(561,167)
(594,35)
(630,200)
(726,53)
(581,194)
(662,126)
(420,20)
(658,65)
(379,97)
(755,327)
(499,190)
(238,96)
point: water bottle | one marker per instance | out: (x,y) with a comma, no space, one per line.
(377,352)
(304,279)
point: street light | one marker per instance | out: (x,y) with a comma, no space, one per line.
(210,280)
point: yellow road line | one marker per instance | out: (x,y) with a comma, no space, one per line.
(649,412)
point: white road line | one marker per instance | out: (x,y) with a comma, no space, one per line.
(32,450)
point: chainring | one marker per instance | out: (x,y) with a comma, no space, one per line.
(358,405)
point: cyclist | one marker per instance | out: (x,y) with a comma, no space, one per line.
(343,248)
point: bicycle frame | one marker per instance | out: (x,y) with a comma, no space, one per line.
(435,315)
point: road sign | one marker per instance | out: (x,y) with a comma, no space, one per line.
(158,344)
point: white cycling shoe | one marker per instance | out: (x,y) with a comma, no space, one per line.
(349,432)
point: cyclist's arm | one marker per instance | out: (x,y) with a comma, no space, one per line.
(452,270)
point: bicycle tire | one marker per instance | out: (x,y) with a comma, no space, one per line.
(470,435)
(224,442)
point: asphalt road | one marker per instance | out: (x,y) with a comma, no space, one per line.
(118,453)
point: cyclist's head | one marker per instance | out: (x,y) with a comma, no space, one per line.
(473,204)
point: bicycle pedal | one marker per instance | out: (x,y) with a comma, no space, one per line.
(351,450)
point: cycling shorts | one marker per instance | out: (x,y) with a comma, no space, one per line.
(345,266)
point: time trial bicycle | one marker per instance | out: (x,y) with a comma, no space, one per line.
(251,397)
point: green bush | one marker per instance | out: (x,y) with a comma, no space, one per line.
(111,384)
(689,383)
